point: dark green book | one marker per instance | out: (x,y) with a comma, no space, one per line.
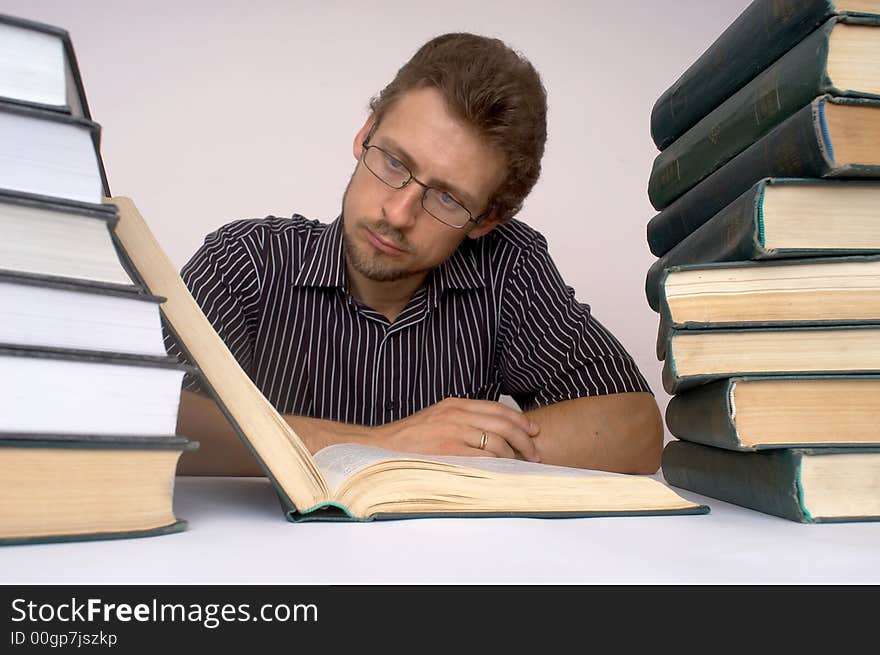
(809,485)
(815,291)
(831,137)
(781,218)
(764,31)
(823,63)
(86,487)
(761,412)
(695,357)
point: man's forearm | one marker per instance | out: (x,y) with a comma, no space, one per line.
(319,433)
(618,432)
(221,451)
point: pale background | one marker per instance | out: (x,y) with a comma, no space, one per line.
(219,110)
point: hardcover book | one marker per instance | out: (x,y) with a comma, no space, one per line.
(757,413)
(831,137)
(809,485)
(763,32)
(696,357)
(38,67)
(52,156)
(96,393)
(352,482)
(781,218)
(81,487)
(43,311)
(834,290)
(57,240)
(840,59)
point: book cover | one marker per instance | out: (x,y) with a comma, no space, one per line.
(808,144)
(762,33)
(803,73)
(91,356)
(131,291)
(792,483)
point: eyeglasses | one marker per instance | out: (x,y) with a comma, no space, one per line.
(442,205)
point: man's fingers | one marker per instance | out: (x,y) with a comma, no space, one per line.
(495,445)
(510,433)
(494,408)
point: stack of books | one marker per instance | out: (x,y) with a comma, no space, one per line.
(767,278)
(88,395)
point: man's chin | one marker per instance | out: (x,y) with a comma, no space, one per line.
(372,269)
(380,275)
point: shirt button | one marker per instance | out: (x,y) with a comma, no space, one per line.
(390,406)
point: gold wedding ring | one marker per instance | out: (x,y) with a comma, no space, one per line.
(484,439)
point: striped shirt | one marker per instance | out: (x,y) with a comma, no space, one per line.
(495,318)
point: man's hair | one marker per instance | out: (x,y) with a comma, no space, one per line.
(492,88)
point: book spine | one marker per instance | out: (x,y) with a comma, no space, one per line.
(759,36)
(774,95)
(669,378)
(792,149)
(703,415)
(730,235)
(664,329)
(763,481)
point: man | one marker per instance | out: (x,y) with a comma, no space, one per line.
(402,323)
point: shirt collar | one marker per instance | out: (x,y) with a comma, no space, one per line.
(462,269)
(324,266)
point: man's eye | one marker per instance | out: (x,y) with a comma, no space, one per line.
(393,164)
(448,200)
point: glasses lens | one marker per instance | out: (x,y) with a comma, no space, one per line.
(388,169)
(445,208)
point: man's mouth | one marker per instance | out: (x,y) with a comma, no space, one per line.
(383,244)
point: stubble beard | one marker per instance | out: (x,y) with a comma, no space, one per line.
(370,266)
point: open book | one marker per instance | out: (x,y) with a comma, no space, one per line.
(352,482)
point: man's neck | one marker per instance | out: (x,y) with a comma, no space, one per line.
(387,298)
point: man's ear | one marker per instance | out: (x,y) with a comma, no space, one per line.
(358,145)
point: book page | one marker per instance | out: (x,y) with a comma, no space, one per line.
(341,461)
(32,66)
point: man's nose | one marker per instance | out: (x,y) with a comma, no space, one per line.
(402,206)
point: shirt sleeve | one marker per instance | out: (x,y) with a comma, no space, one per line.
(554,348)
(223,278)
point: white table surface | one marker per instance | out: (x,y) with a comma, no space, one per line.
(238,535)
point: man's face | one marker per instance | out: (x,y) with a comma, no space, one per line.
(388,234)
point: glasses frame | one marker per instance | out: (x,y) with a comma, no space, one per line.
(367,145)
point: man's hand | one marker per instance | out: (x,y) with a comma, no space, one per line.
(455,426)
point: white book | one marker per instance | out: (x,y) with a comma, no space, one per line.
(58,393)
(50,314)
(48,154)
(38,67)
(61,242)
